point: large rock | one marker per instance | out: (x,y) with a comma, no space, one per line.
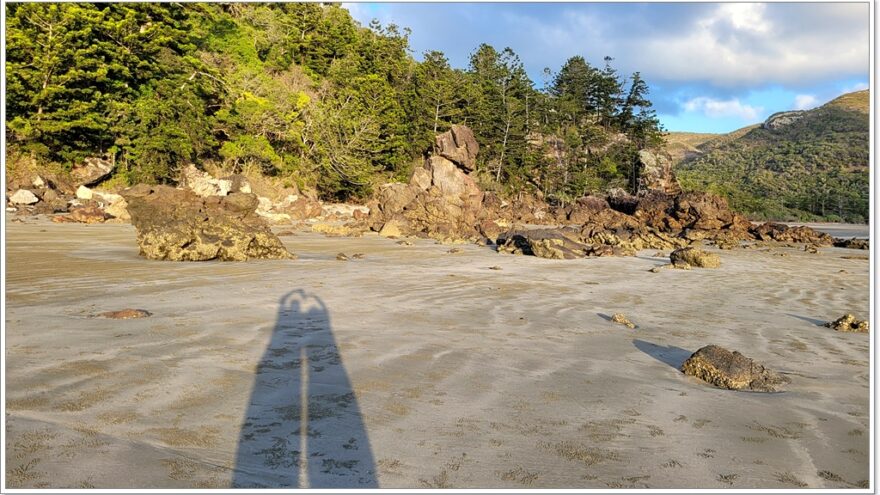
(693,257)
(23,197)
(849,323)
(731,370)
(459,146)
(92,171)
(203,184)
(656,173)
(560,244)
(178,225)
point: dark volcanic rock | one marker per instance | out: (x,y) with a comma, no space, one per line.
(731,370)
(178,225)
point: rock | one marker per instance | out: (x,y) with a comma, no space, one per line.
(496,267)
(731,370)
(337,230)
(853,243)
(771,231)
(622,319)
(118,209)
(405,243)
(203,184)
(392,228)
(299,207)
(656,173)
(178,225)
(23,197)
(358,256)
(781,119)
(38,182)
(848,323)
(543,243)
(453,251)
(92,171)
(693,257)
(342,257)
(459,146)
(83,192)
(238,183)
(126,314)
(87,214)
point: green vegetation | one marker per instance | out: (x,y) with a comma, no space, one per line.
(303,92)
(815,168)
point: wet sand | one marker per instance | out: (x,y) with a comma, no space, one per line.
(416,368)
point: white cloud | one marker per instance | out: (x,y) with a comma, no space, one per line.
(713,108)
(855,87)
(805,102)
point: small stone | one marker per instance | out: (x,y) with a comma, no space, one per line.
(358,256)
(808,248)
(849,323)
(496,267)
(405,243)
(342,257)
(622,319)
(126,314)
(454,251)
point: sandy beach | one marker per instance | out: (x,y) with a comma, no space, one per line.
(419,368)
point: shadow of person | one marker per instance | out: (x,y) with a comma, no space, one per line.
(303,427)
(671,355)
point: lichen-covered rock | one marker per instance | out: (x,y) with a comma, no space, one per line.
(693,257)
(178,225)
(623,320)
(732,370)
(849,323)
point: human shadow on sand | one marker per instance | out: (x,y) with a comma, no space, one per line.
(303,427)
(671,355)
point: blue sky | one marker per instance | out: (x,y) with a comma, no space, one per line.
(712,67)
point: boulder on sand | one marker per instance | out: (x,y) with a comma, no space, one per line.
(854,243)
(731,370)
(688,257)
(559,244)
(848,323)
(771,231)
(178,225)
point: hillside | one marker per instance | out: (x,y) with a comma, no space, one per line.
(803,165)
(685,145)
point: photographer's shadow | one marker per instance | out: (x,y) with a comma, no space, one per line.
(303,427)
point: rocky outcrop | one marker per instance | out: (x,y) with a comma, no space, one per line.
(560,244)
(440,200)
(853,243)
(178,225)
(849,323)
(656,173)
(778,232)
(203,184)
(781,119)
(91,171)
(732,370)
(459,146)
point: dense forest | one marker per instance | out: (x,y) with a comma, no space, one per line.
(813,168)
(302,92)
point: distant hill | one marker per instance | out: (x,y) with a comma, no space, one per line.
(799,165)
